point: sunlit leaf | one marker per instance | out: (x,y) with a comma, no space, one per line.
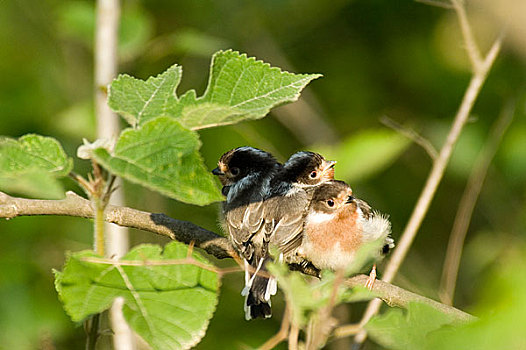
(398,329)
(32,164)
(139,101)
(169,306)
(239,88)
(163,156)
(502,323)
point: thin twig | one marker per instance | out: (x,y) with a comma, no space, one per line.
(433,180)
(282,334)
(98,227)
(321,324)
(471,46)
(467,204)
(412,135)
(338,280)
(96,193)
(105,70)
(293,336)
(347,330)
(84,184)
(436,3)
(399,297)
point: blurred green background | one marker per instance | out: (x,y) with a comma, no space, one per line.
(404,60)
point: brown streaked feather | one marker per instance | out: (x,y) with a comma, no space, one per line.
(246,226)
(364,207)
(287,215)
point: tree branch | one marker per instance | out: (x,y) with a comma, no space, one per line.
(468,202)
(435,176)
(471,46)
(187,232)
(74,205)
(396,296)
(412,135)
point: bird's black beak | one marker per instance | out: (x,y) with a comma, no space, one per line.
(216,171)
(350,199)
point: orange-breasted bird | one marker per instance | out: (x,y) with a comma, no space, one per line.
(338,224)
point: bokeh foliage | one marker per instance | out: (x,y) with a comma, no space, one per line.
(404,60)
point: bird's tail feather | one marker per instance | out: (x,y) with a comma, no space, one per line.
(257,293)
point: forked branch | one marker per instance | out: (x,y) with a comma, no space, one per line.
(481,68)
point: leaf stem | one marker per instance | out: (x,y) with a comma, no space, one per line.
(282,334)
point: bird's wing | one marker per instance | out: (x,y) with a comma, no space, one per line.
(245,224)
(364,207)
(284,220)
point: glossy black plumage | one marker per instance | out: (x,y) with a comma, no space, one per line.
(246,173)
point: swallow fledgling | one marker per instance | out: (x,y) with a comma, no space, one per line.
(338,224)
(291,192)
(245,174)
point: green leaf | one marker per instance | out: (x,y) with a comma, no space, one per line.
(501,305)
(372,150)
(397,329)
(33,184)
(239,88)
(168,305)
(32,164)
(305,295)
(139,101)
(163,156)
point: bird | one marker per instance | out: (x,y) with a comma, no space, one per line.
(338,225)
(266,206)
(291,192)
(245,173)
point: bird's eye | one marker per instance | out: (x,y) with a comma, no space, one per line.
(234,171)
(313,174)
(330,203)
